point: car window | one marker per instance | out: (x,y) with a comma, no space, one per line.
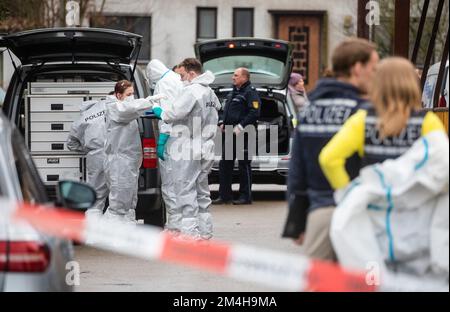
(255,64)
(428,91)
(30,183)
(444,87)
(2,96)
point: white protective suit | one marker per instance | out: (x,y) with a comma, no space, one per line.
(396,216)
(88,135)
(123,151)
(194,118)
(167,83)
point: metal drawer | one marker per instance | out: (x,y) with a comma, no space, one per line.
(49,147)
(55,104)
(49,136)
(96,98)
(82,88)
(54,117)
(50,126)
(57,162)
(58,174)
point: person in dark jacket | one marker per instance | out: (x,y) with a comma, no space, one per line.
(241,111)
(331,103)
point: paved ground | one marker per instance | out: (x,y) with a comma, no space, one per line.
(259,224)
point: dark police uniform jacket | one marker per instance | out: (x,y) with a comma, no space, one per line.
(331,103)
(377,150)
(242,107)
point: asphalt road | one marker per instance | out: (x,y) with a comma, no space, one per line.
(259,225)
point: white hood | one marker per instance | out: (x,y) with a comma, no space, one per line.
(155,70)
(167,82)
(204,79)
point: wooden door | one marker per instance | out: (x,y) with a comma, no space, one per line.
(304,32)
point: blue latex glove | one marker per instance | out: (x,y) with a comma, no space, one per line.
(163,137)
(149,112)
(157,111)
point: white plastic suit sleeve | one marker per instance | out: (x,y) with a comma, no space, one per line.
(125,112)
(156,97)
(180,108)
(75,137)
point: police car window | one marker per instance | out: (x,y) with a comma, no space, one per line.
(256,65)
(30,184)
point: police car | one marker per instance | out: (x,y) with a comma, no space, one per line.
(59,69)
(270,63)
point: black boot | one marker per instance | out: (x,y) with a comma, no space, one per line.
(220,201)
(242,201)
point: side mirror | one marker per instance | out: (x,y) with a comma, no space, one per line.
(75,195)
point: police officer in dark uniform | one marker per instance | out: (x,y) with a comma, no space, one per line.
(310,195)
(242,109)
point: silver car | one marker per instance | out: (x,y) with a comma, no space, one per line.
(29,260)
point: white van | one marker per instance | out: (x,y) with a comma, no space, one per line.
(430,87)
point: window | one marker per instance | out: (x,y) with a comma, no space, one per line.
(242,22)
(262,69)
(140,25)
(1,67)
(2,92)
(33,190)
(256,65)
(206,23)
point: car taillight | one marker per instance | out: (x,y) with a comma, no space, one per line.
(149,154)
(24,256)
(442,102)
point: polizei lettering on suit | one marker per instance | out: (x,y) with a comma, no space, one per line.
(405,139)
(325,116)
(95,116)
(332,115)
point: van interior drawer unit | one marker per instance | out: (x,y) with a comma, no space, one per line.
(50,110)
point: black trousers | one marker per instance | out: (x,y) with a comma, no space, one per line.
(226,170)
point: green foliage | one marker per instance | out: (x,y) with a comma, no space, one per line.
(18,15)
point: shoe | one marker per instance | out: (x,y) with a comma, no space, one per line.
(242,201)
(220,201)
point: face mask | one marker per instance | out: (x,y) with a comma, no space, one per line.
(129,98)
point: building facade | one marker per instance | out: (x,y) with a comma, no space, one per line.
(171,27)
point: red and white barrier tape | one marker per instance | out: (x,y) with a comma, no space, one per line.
(245,263)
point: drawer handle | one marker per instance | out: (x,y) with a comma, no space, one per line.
(78,92)
(58,107)
(57,126)
(58,146)
(52,177)
(52,161)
